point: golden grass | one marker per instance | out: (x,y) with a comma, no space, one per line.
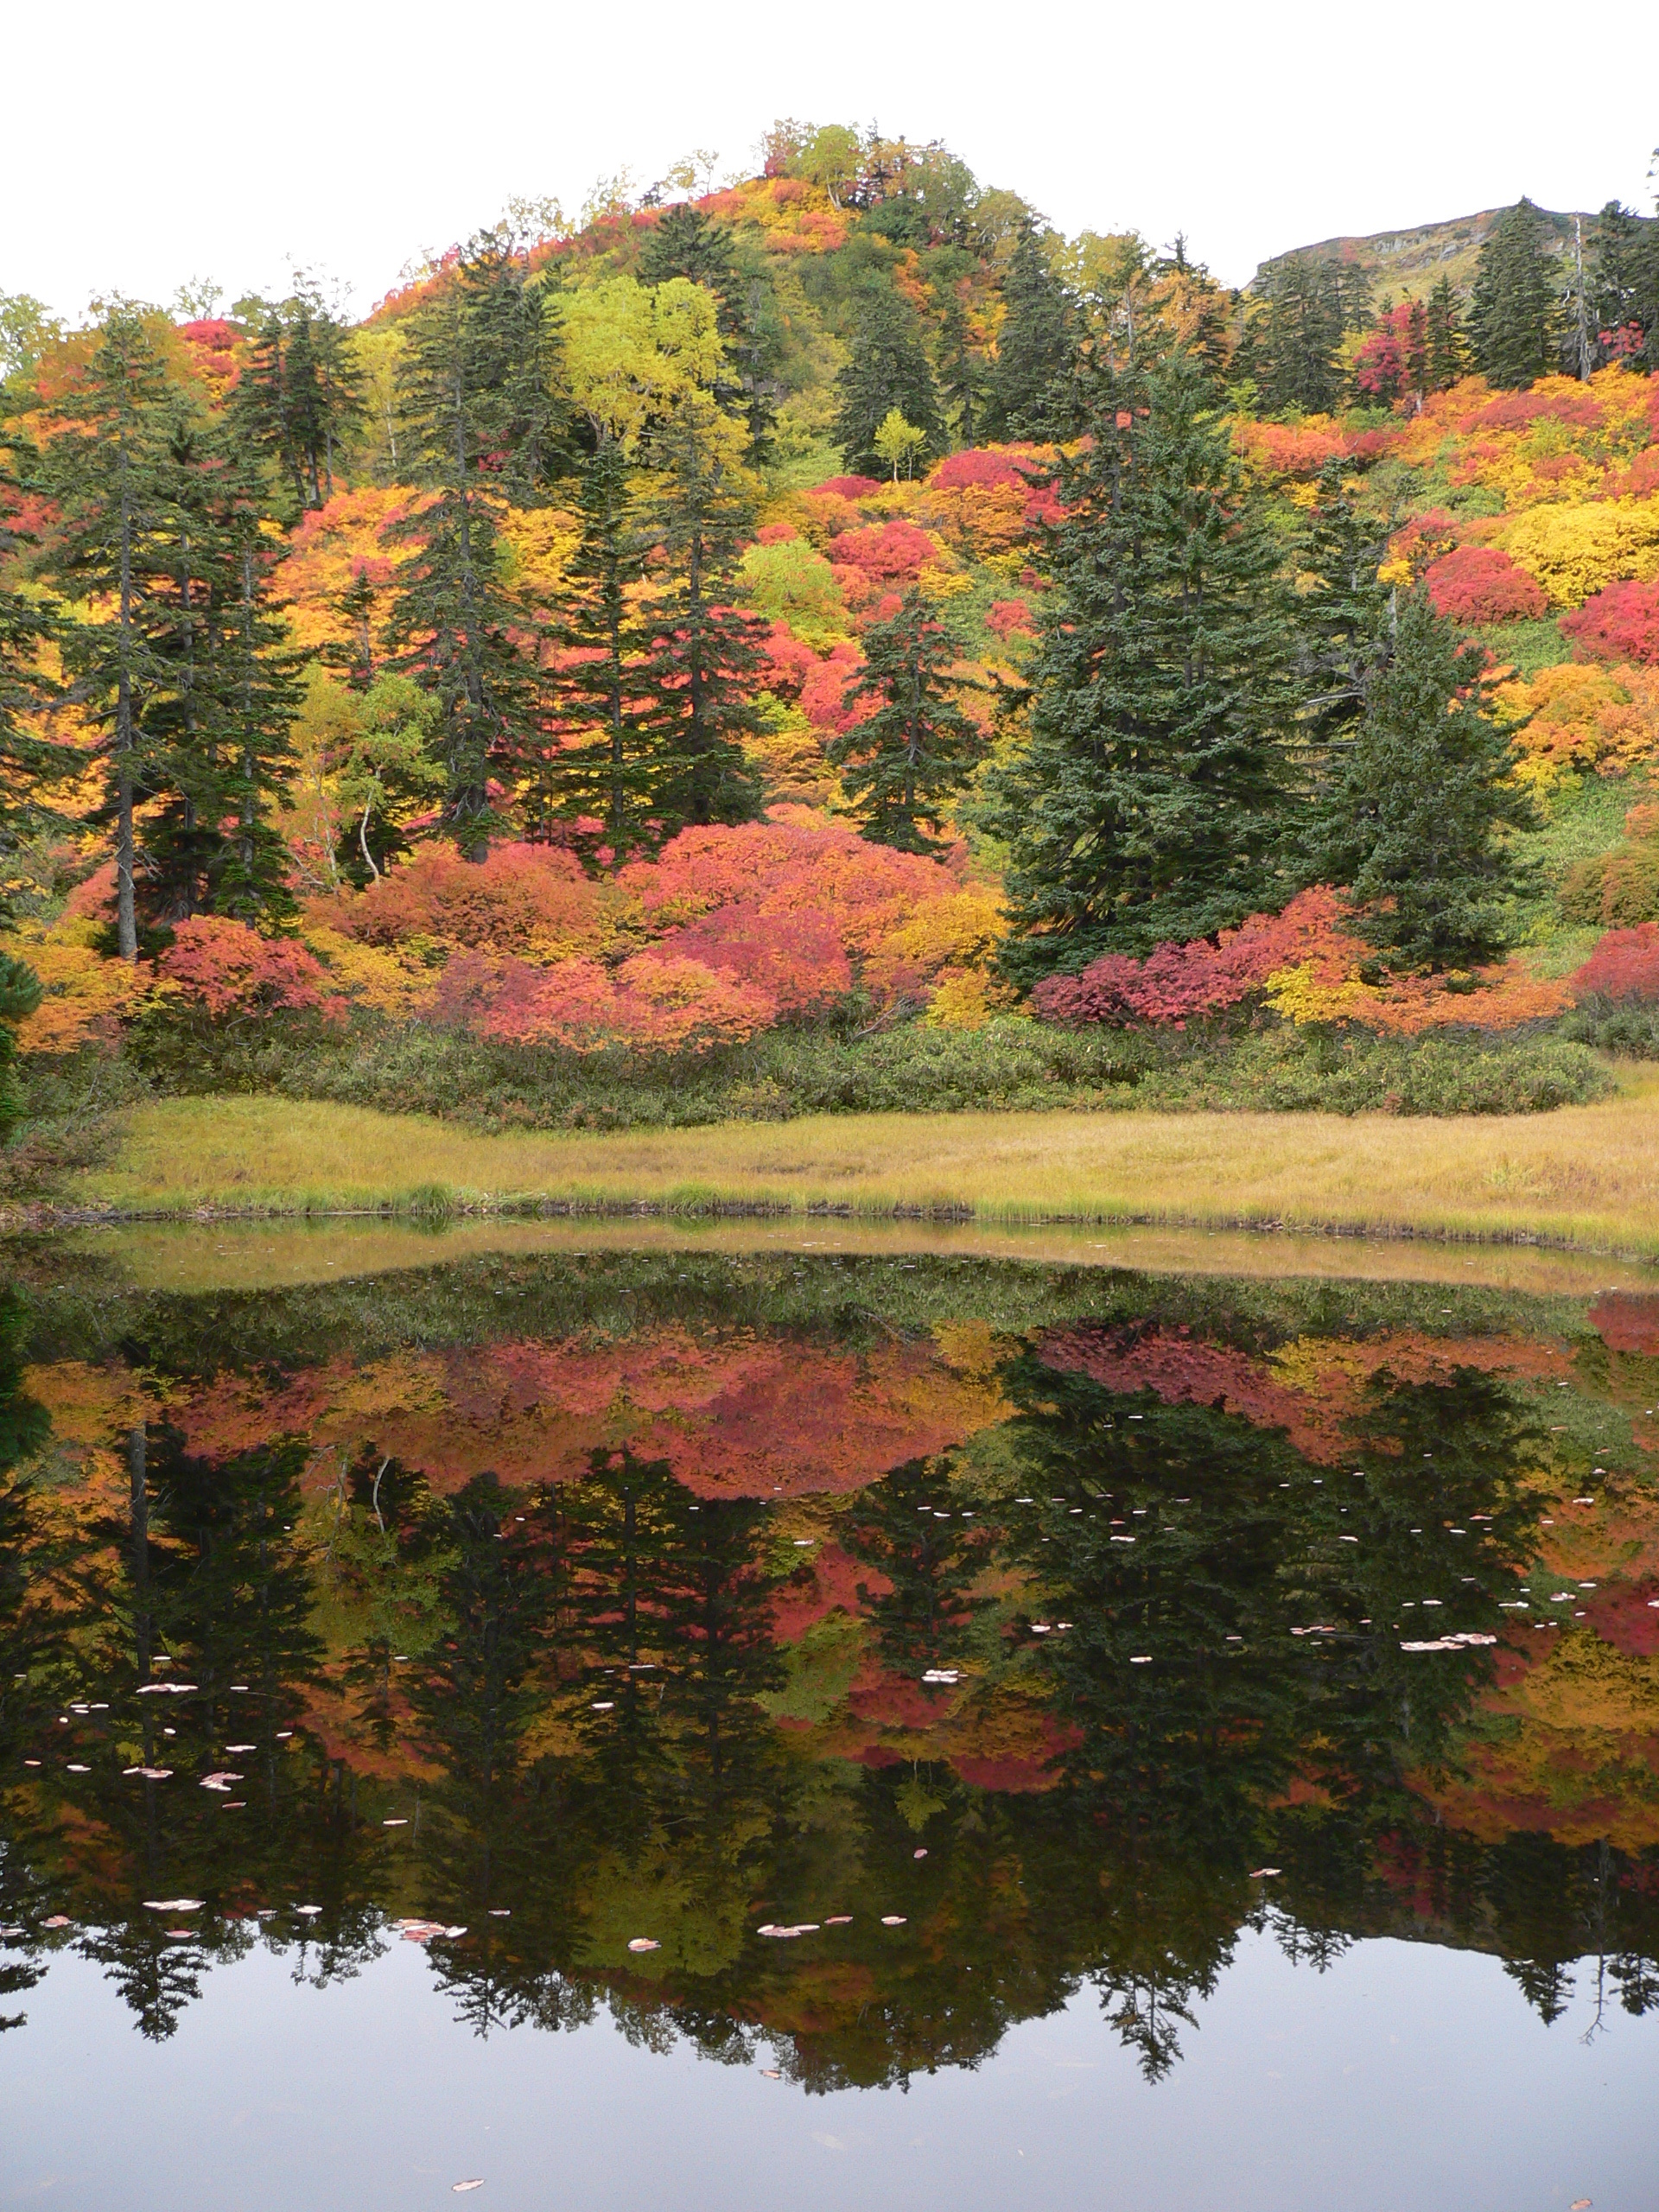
(1587,1176)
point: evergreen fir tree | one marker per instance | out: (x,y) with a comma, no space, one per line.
(260,688)
(31,763)
(298,396)
(903,763)
(1030,392)
(1514,322)
(1340,610)
(1142,805)
(519,427)
(1303,309)
(962,373)
(1446,348)
(1412,819)
(1624,287)
(685,242)
(104,471)
(455,626)
(705,658)
(601,762)
(888,368)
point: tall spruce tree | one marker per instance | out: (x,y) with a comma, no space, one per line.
(1143,803)
(103,469)
(600,761)
(904,762)
(1413,821)
(1445,345)
(962,377)
(298,396)
(1624,287)
(888,368)
(31,763)
(685,242)
(1032,381)
(1340,612)
(705,661)
(1514,319)
(455,628)
(1304,307)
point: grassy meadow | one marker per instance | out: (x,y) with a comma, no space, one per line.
(1585,1176)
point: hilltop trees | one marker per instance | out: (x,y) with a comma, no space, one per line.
(1141,805)
(298,393)
(1030,393)
(1514,318)
(1303,309)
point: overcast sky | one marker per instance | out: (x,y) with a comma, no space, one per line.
(149,144)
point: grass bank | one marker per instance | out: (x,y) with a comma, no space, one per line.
(1585,1176)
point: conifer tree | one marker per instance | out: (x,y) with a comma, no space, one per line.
(1142,805)
(455,626)
(298,396)
(1340,612)
(1303,309)
(104,471)
(1624,287)
(31,763)
(962,373)
(1413,821)
(704,662)
(888,368)
(904,762)
(599,762)
(1514,320)
(520,426)
(1031,381)
(1445,347)
(685,242)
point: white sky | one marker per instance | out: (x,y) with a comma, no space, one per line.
(149,144)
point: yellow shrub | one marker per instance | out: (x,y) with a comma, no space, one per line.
(86,995)
(967,998)
(1575,551)
(1574,717)
(388,983)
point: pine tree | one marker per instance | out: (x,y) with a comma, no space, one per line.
(962,373)
(1515,321)
(903,763)
(1446,348)
(1143,804)
(888,368)
(520,427)
(298,396)
(1303,309)
(601,763)
(1031,391)
(103,469)
(705,658)
(686,243)
(1413,821)
(455,627)
(1624,287)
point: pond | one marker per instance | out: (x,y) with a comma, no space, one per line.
(804,1718)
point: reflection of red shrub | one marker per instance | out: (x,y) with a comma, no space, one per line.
(1620,623)
(1624,965)
(1628,1320)
(1478,583)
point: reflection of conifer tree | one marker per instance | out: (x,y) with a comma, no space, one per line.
(932,1562)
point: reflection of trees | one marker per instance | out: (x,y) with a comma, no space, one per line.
(912,1528)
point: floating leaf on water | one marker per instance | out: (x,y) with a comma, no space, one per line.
(400,1822)
(460,2186)
(643,1943)
(1581,2203)
(1141,1659)
(892,1920)
(500,1912)
(172,1905)
(241,1747)
(1261,1873)
(58,1920)
(839,1920)
(770,2074)
(73,1769)
(604,1705)
(918,1854)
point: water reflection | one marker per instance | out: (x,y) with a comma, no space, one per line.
(991,1631)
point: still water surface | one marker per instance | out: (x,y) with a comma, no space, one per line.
(1065,1734)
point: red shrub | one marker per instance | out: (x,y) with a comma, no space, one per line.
(519,892)
(796,959)
(1620,623)
(1478,583)
(978,465)
(848,488)
(229,970)
(1519,410)
(1008,615)
(886,549)
(1624,965)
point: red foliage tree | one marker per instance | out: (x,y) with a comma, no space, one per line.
(520,891)
(1620,623)
(888,550)
(229,971)
(1478,584)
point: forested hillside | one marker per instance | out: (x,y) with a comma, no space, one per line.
(645,655)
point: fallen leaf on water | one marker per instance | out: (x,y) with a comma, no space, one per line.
(839,1920)
(770,2074)
(58,1920)
(461,2186)
(1261,1873)
(1581,2203)
(172,1905)
(918,1854)
(892,1920)
(500,1912)
(643,1943)
(394,1824)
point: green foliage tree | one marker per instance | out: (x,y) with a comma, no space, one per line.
(1143,802)
(1030,387)
(888,368)
(685,242)
(388,771)
(704,658)
(298,397)
(455,626)
(104,471)
(1412,822)
(1514,319)
(961,377)
(905,761)
(1303,308)
(1446,353)
(600,761)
